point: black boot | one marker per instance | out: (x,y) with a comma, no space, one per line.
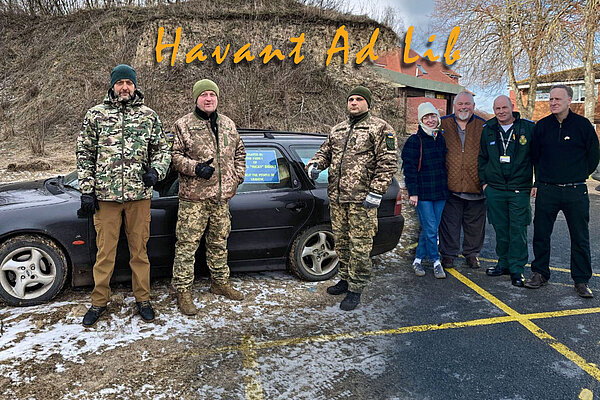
(92,315)
(339,288)
(146,311)
(350,301)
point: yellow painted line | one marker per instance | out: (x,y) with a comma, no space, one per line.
(483,293)
(404,330)
(586,394)
(590,368)
(253,387)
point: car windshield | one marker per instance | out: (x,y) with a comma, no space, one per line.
(71,180)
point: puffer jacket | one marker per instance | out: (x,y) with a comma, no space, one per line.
(361,158)
(195,142)
(115,143)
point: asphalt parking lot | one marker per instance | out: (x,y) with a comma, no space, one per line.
(468,336)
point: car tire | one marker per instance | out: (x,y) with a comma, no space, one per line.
(38,262)
(312,256)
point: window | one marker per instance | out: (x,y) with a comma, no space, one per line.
(266,169)
(542,94)
(306,152)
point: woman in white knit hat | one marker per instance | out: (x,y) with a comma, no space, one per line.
(426,178)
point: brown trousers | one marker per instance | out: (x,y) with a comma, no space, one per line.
(107,220)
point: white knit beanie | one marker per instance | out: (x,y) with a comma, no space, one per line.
(423,110)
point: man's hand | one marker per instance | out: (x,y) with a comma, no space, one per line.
(373,200)
(89,205)
(533,192)
(204,170)
(314,171)
(413,200)
(150,176)
(483,187)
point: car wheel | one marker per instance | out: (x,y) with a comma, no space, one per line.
(312,256)
(33,269)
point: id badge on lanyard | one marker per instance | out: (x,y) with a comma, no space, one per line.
(505,159)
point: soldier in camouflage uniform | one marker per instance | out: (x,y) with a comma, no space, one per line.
(121,153)
(210,157)
(361,156)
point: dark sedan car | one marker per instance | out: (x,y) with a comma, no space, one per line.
(280,219)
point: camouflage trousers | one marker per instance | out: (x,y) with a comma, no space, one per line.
(353,228)
(193,219)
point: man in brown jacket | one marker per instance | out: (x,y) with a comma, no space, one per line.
(465,206)
(210,157)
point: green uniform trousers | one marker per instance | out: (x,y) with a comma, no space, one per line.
(193,218)
(353,228)
(509,211)
(107,221)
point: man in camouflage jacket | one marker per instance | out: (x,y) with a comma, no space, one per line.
(121,153)
(210,157)
(361,156)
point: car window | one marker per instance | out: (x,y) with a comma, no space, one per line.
(266,169)
(305,153)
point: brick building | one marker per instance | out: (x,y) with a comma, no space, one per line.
(418,82)
(570,77)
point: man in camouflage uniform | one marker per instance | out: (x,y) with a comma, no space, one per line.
(361,156)
(210,157)
(121,153)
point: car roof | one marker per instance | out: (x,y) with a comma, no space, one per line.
(262,135)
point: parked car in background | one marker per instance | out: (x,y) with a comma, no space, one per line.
(280,219)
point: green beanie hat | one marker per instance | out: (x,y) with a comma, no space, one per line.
(122,71)
(362,92)
(204,85)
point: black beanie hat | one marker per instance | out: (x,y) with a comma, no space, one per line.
(123,71)
(362,92)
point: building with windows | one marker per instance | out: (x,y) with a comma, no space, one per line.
(418,82)
(571,77)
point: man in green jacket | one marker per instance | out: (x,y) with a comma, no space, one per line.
(506,176)
(122,152)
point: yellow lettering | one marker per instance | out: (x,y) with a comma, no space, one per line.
(296,51)
(340,33)
(217,54)
(195,53)
(367,51)
(268,54)
(451,42)
(243,53)
(407,43)
(429,53)
(160,46)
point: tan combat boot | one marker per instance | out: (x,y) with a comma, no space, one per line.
(185,303)
(226,290)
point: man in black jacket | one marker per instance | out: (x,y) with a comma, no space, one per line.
(564,153)
(506,176)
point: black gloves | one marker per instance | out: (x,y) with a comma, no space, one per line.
(150,177)
(204,170)
(89,205)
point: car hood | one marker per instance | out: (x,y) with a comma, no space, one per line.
(26,194)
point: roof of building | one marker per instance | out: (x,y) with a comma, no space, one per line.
(404,80)
(422,68)
(574,74)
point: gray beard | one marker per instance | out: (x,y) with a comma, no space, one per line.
(463,116)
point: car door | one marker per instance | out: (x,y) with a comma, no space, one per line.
(270,207)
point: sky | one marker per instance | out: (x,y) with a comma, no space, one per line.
(417,14)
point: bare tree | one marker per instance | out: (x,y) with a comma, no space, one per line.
(591,13)
(506,39)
